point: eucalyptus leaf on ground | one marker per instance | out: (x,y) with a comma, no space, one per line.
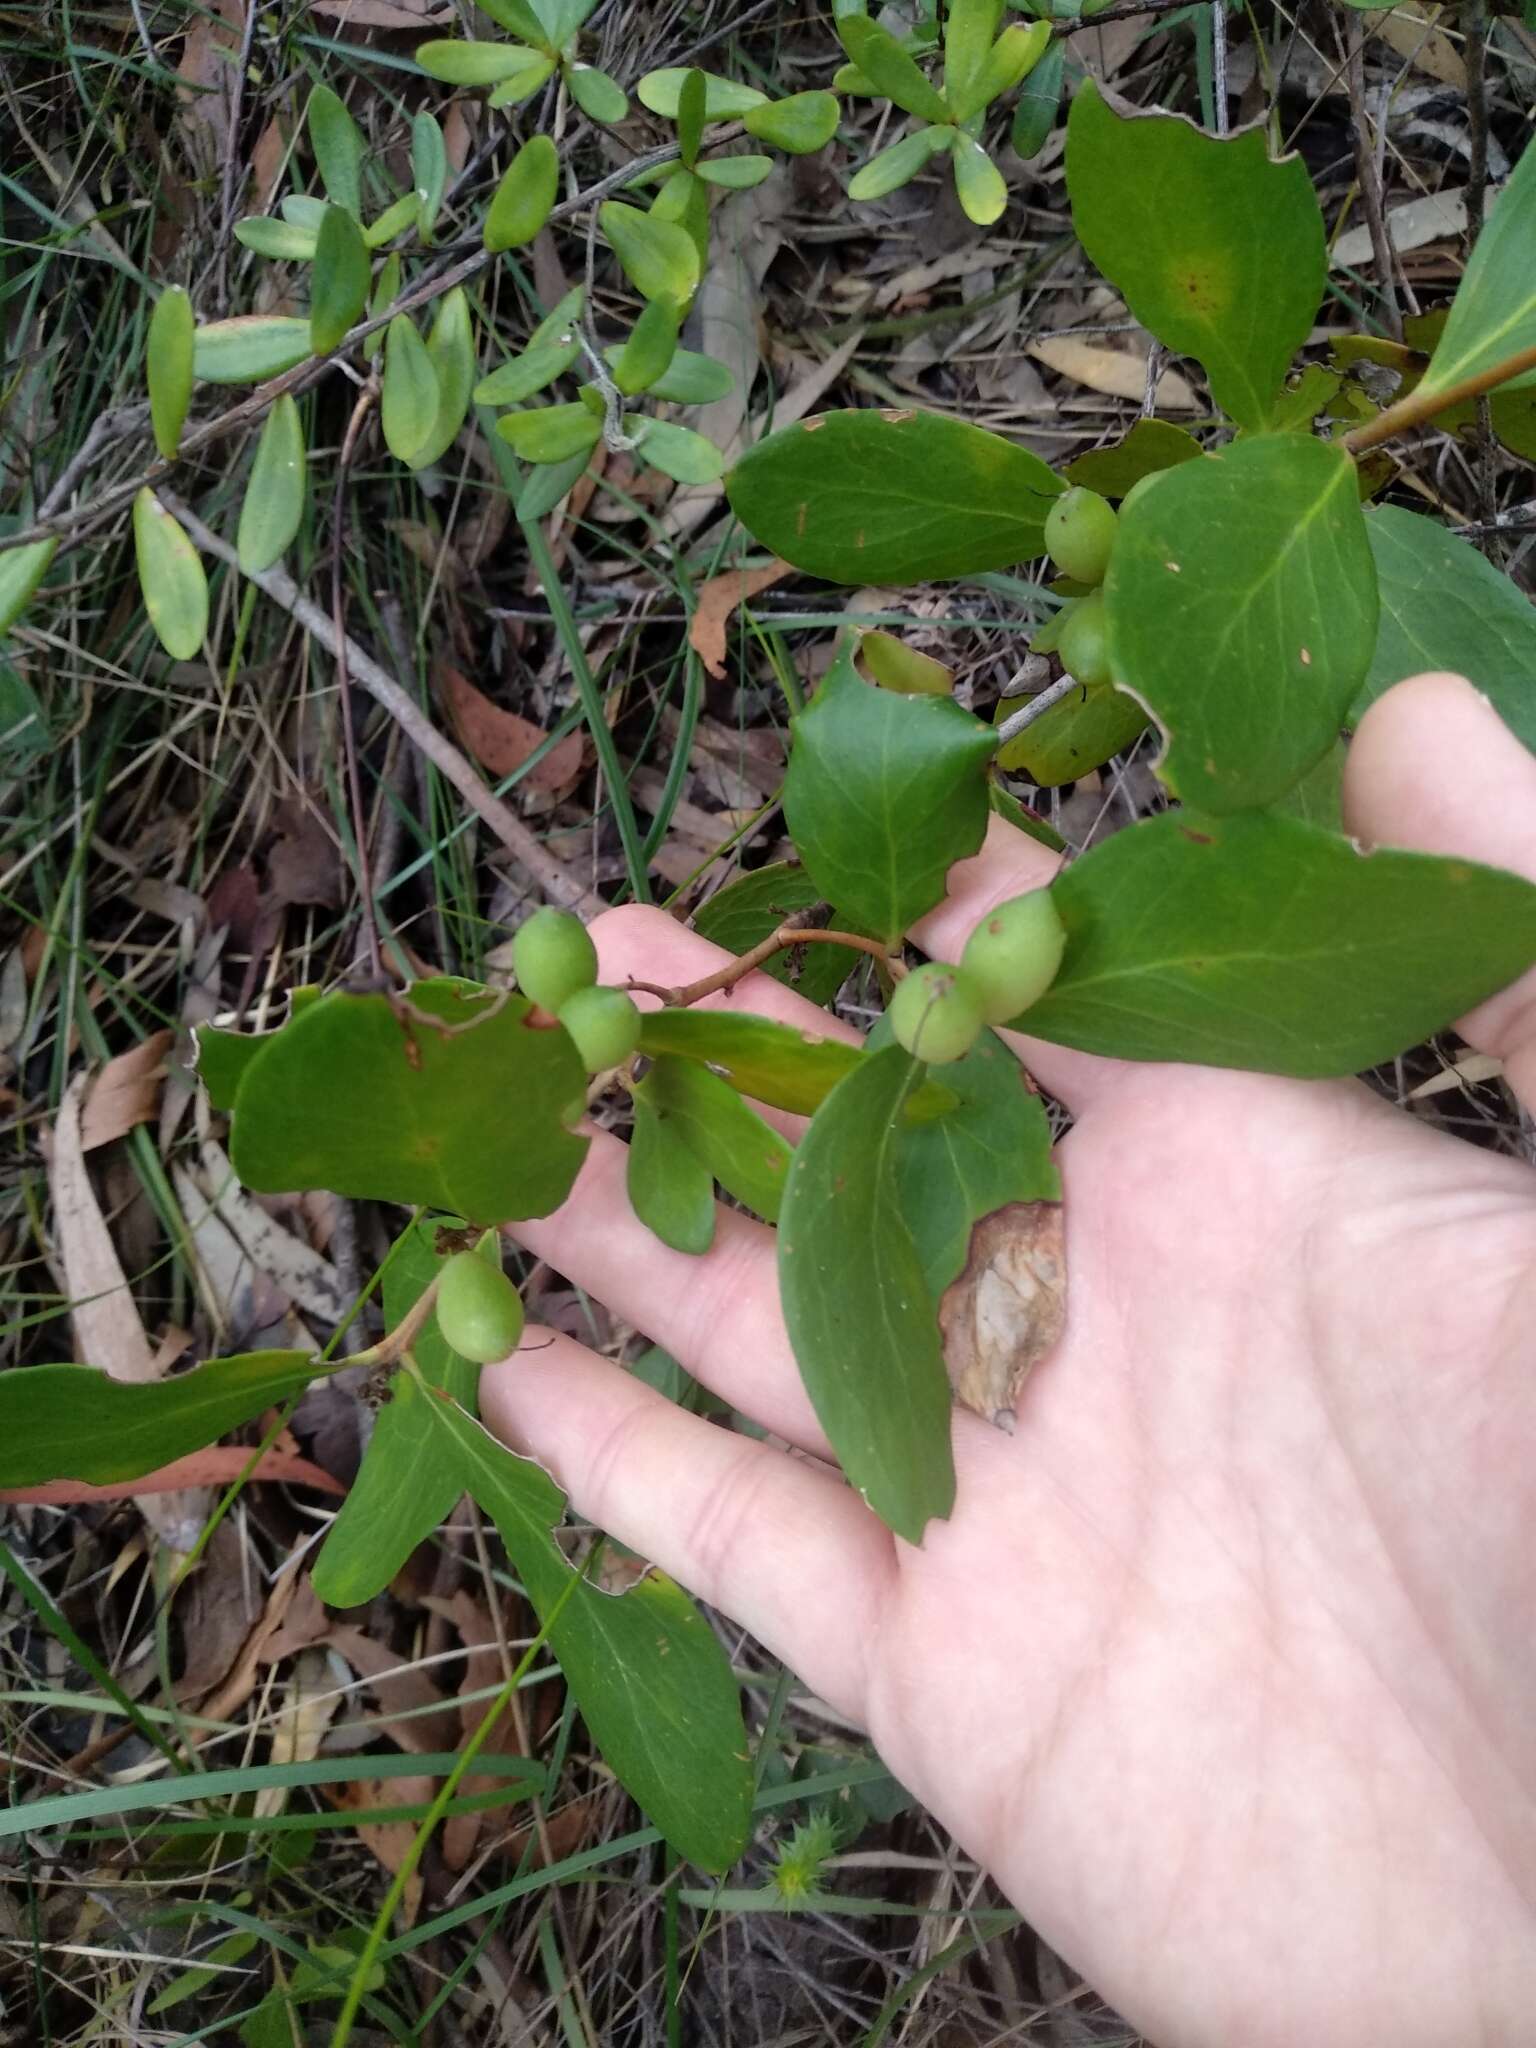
(648,1672)
(1242,608)
(895,496)
(74,1422)
(861,1317)
(1260,941)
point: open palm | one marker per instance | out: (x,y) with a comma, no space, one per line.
(1225,1663)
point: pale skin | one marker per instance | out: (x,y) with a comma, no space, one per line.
(1225,1664)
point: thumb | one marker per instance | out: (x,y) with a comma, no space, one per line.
(1434,768)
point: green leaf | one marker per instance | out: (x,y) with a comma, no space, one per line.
(551,433)
(648,1672)
(736,173)
(385,291)
(896,666)
(171,578)
(676,451)
(691,102)
(599,97)
(743,913)
(526,375)
(510,64)
(657,256)
(1318,799)
(451,352)
(1214,247)
(884,794)
(1493,314)
(525,196)
(741,1151)
(1443,605)
(892,497)
(670,1188)
(250,348)
(24,727)
(1242,612)
(338,147)
(894,167)
(303,210)
(882,60)
(1081,733)
(1259,941)
(860,1316)
(168,363)
(970,29)
(339,288)
(691,379)
(992,1148)
(773,1063)
(1017,52)
(804,122)
(372,1097)
(278,239)
(408,1482)
(394,220)
(21,571)
(979,183)
(429,171)
(410,397)
(518,18)
(513,91)
(650,348)
(1035,115)
(1150,446)
(74,1422)
(273,506)
(662,92)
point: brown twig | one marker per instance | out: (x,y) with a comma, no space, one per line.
(1368,177)
(1474,55)
(779,941)
(552,875)
(1421,405)
(366,911)
(1131,10)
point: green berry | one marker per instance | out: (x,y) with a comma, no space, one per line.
(1080,533)
(935,1013)
(1084,642)
(605,1025)
(553,956)
(479,1311)
(1012,956)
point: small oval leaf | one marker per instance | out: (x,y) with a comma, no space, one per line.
(168,364)
(410,397)
(599,97)
(339,288)
(338,147)
(274,497)
(662,92)
(804,122)
(21,571)
(249,348)
(658,257)
(525,196)
(171,578)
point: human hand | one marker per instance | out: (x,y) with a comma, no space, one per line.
(1224,1663)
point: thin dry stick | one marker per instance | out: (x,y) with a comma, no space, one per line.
(1474,54)
(360,412)
(1022,719)
(552,875)
(1422,405)
(778,941)
(1369,181)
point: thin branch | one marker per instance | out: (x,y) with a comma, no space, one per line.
(349,441)
(1368,178)
(779,941)
(1474,55)
(1422,405)
(552,875)
(1132,10)
(1022,719)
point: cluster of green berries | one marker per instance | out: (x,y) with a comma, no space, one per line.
(1009,962)
(556,966)
(479,1311)
(1080,533)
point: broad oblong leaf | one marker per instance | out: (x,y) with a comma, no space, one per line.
(21,571)
(445,1096)
(456,63)
(393,221)
(1039,99)
(662,92)
(1150,446)
(896,666)
(338,289)
(670,1188)
(1493,315)
(338,147)
(281,240)
(692,379)
(650,348)
(649,1675)
(410,397)
(804,122)
(678,452)
(743,913)
(894,167)
(884,794)
(273,506)
(970,29)
(1443,605)
(513,91)
(599,97)
(883,61)
(1216,248)
(736,1146)
(978,183)
(523,199)
(736,173)
(659,258)
(551,433)
(895,496)
(74,1422)
(1260,941)
(168,367)
(1080,733)
(526,375)
(773,1063)
(451,352)
(408,1481)
(171,578)
(860,1316)
(249,348)
(1017,53)
(1241,600)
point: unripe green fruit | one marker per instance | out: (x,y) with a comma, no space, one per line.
(479,1311)
(935,1013)
(1012,956)
(553,956)
(1084,642)
(1080,533)
(604,1024)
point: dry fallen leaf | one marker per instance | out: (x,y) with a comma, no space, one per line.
(125,1092)
(1118,373)
(500,740)
(1007,1309)
(718,599)
(389,1840)
(1412,32)
(399,14)
(219,1465)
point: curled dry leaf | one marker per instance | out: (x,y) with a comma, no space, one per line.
(718,599)
(1007,1309)
(125,1092)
